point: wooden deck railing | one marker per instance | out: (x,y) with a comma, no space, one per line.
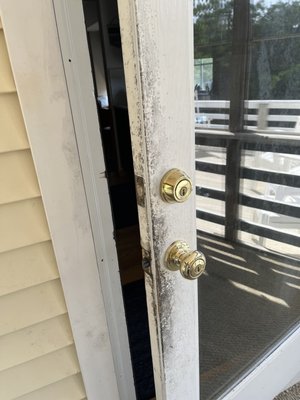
(278,215)
(278,116)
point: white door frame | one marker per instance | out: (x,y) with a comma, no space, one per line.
(66,148)
(68,168)
(76,59)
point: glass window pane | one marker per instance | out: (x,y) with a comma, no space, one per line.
(272,161)
(248,300)
(212,59)
(211,154)
(249,296)
(274,67)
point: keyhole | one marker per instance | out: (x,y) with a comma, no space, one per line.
(183,191)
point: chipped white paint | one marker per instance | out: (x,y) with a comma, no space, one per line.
(158,58)
(157,51)
(33,45)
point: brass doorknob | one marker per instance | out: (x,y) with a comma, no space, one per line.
(179,256)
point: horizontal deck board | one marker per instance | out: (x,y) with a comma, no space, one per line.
(253,202)
(273,234)
(270,177)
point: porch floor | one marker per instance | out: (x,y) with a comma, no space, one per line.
(293,393)
(249,300)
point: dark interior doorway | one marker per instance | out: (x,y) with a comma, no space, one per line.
(103,34)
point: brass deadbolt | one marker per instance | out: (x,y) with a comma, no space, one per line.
(175,186)
(179,256)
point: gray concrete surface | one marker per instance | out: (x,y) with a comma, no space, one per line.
(293,393)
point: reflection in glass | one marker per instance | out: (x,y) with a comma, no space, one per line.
(274,50)
(272,161)
(247,184)
(211,154)
(249,299)
(274,65)
(212,58)
(273,18)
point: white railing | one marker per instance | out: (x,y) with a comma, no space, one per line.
(214,114)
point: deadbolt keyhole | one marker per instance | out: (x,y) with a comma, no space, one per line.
(183,191)
(175,186)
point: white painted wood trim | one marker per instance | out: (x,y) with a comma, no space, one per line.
(76,59)
(157,44)
(31,35)
(276,373)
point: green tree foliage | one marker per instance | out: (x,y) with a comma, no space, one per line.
(276,32)
(212,26)
(274,46)
(213,39)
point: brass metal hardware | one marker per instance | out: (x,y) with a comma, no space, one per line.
(175,186)
(179,256)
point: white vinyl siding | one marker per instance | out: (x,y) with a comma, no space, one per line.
(38,357)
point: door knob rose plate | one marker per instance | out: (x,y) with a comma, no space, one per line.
(179,257)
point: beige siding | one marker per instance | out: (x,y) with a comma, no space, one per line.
(26,267)
(37,373)
(70,388)
(23,223)
(7,83)
(38,359)
(17,177)
(11,122)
